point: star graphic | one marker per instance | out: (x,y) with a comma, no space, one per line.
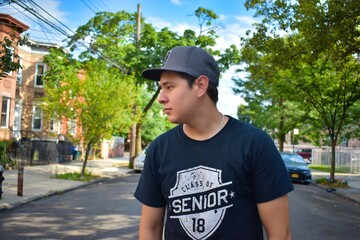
(232,194)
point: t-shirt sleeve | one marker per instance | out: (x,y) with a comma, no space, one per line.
(270,176)
(148,190)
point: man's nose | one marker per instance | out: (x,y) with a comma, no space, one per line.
(162,97)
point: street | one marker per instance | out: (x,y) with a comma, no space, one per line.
(108,210)
(104,210)
(316,214)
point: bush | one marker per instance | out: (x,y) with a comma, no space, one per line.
(5,161)
(336,183)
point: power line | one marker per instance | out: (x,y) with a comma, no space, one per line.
(53,17)
(42,27)
(48,32)
(106,7)
(4,2)
(22,12)
(94,6)
(88,6)
(40,16)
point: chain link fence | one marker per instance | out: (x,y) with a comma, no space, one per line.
(347,160)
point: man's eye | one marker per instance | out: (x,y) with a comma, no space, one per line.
(169,87)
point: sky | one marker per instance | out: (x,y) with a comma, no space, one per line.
(178,15)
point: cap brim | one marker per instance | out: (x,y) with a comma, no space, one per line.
(152,73)
(155,73)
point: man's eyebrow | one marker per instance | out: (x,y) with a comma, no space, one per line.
(166,82)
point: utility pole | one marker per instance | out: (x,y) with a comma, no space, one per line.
(132,154)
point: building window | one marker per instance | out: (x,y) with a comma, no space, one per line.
(52,124)
(37,118)
(11,52)
(19,74)
(71,127)
(40,72)
(5,111)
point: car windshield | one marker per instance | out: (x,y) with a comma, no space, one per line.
(292,158)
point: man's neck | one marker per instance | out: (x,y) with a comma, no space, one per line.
(205,127)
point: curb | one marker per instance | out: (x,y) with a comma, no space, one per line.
(49,194)
(58,192)
(337,193)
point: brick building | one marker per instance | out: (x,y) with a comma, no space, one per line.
(30,121)
(9,26)
(40,138)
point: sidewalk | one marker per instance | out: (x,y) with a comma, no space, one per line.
(352,193)
(39,181)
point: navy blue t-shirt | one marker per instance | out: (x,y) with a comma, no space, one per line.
(210,188)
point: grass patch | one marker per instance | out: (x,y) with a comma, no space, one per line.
(121,164)
(326,168)
(337,183)
(75,176)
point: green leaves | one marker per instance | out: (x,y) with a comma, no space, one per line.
(314,64)
(8,59)
(97,97)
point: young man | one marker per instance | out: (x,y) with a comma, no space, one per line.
(212,176)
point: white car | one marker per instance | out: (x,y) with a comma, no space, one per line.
(139,161)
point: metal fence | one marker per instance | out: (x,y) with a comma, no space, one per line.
(40,152)
(347,160)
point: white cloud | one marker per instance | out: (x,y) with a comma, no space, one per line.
(159,23)
(179,28)
(246,20)
(37,30)
(222,17)
(177,2)
(232,32)
(53,7)
(228,101)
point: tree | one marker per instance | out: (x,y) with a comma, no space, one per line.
(113,37)
(154,122)
(270,105)
(8,58)
(95,96)
(323,62)
(352,125)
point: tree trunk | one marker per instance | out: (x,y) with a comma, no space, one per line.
(281,143)
(132,146)
(280,135)
(87,150)
(138,139)
(332,164)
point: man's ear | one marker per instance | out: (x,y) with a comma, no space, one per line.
(201,84)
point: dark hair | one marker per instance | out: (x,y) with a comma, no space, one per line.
(211,91)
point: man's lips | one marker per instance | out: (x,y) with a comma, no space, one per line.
(167,110)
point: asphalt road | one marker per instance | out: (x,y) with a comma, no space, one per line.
(104,210)
(316,214)
(108,210)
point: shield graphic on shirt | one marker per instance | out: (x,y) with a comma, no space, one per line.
(199,200)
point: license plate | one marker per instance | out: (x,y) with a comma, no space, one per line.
(295,175)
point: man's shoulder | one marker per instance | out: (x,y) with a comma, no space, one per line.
(239,126)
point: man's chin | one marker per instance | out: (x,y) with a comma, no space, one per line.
(173,120)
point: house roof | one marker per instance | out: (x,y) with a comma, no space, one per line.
(9,20)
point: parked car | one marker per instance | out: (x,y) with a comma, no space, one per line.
(306,153)
(139,161)
(297,167)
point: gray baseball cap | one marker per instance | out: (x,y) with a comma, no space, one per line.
(187,59)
